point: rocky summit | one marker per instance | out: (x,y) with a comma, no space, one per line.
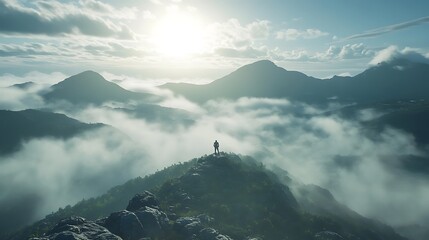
(223,197)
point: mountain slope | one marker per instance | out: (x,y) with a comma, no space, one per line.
(399,79)
(19,126)
(238,197)
(396,80)
(259,79)
(114,200)
(90,87)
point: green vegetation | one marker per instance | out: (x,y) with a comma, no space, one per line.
(114,200)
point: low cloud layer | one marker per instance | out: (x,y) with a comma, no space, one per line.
(364,172)
(48,173)
(13,97)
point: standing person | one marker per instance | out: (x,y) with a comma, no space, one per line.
(216,147)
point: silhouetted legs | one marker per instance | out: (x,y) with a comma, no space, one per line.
(216,151)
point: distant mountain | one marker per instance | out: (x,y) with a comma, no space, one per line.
(213,197)
(24,86)
(259,79)
(90,87)
(388,81)
(400,79)
(19,126)
(410,116)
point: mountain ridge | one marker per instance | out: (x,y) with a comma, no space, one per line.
(19,126)
(400,79)
(89,87)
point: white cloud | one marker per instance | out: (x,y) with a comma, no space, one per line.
(232,34)
(7,80)
(24,98)
(388,29)
(293,55)
(20,99)
(295,34)
(259,29)
(352,51)
(337,53)
(345,52)
(60,172)
(246,52)
(393,52)
(86,17)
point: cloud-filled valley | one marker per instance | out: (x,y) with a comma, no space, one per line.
(362,169)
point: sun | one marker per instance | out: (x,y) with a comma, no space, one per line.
(179,35)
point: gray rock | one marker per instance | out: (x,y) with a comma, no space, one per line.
(125,224)
(101,221)
(188,225)
(328,235)
(205,219)
(78,228)
(153,220)
(211,234)
(142,200)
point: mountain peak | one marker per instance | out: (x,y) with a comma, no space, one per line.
(25,85)
(86,76)
(265,62)
(90,87)
(262,65)
(89,73)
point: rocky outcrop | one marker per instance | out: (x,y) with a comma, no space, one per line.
(142,200)
(188,225)
(193,228)
(211,234)
(153,220)
(78,228)
(143,219)
(125,224)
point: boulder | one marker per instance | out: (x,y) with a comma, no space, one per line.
(125,224)
(205,219)
(153,220)
(188,225)
(211,234)
(141,200)
(78,228)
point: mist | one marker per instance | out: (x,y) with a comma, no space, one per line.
(363,171)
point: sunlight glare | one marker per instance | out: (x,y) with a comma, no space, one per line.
(179,35)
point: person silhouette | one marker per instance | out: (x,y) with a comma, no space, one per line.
(216,147)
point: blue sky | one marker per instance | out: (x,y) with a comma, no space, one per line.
(205,39)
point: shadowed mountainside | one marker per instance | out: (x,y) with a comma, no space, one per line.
(19,126)
(396,80)
(90,87)
(409,116)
